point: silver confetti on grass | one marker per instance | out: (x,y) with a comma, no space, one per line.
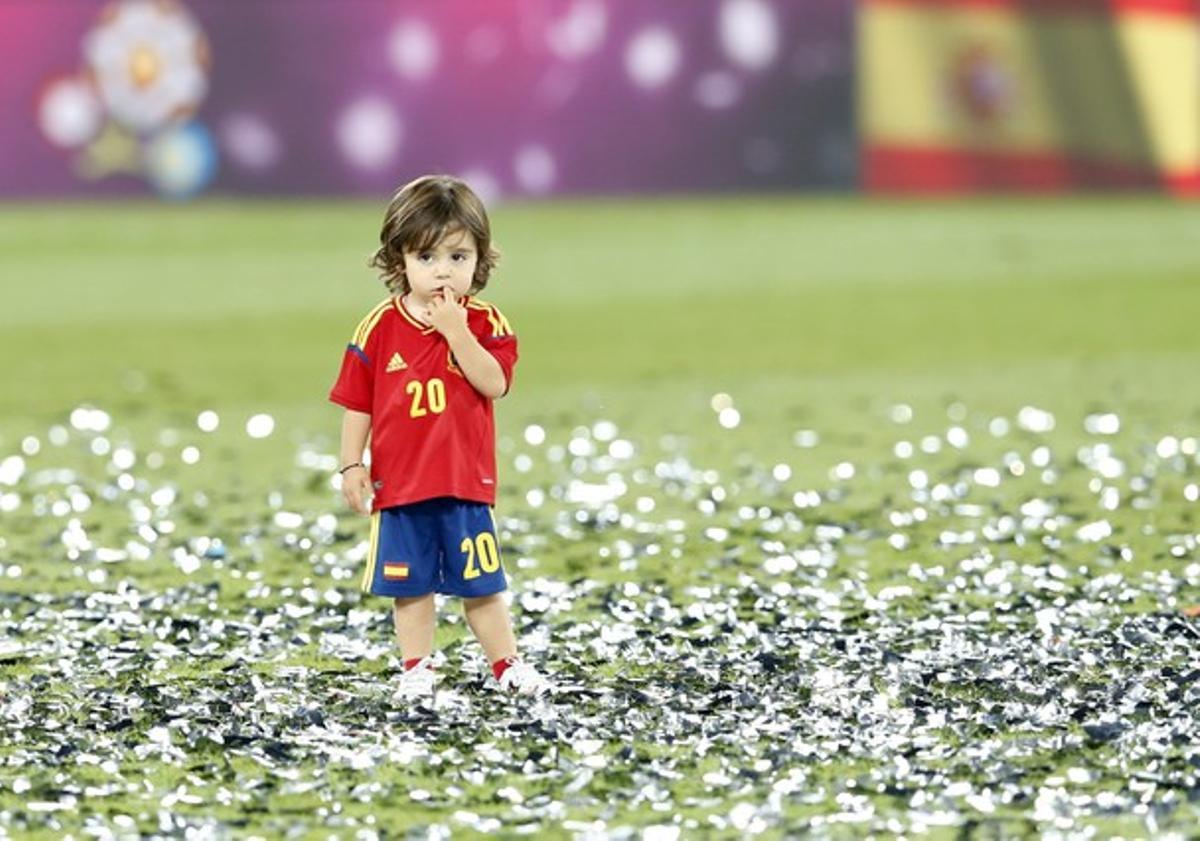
(782,689)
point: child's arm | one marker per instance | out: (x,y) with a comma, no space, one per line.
(356,482)
(480,368)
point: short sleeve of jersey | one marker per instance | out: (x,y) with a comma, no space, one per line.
(354,388)
(496,335)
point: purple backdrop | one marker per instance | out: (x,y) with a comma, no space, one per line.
(525,97)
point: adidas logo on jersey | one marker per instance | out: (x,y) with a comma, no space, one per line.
(397,364)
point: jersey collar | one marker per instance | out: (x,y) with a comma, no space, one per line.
(410,318)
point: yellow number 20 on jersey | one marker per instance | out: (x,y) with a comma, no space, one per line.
(427,397)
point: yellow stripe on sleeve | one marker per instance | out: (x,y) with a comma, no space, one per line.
(505,329)
(500,325)
(363,331)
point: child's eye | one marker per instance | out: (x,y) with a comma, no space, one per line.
(424,256)
(459,256)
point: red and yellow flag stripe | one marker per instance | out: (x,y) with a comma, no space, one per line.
(975,94)
(395,571)
(1182,8)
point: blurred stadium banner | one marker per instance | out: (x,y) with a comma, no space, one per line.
(548,97)
(972,95)
(328,97)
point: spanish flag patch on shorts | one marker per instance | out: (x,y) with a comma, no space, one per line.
(394,570)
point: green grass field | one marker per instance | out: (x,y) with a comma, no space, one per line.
(893,597)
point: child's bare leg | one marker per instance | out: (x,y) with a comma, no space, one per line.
(414,620)
(488,618)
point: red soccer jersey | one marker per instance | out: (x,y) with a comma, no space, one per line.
(432,433)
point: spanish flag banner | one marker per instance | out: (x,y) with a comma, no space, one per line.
(966,95)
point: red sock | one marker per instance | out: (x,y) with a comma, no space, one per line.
(501,666)
(412,664)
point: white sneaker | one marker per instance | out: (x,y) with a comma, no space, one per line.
(521,678)
(417,683)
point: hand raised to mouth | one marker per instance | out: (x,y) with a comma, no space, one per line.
(447,314)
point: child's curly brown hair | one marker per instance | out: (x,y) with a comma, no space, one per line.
(420,215)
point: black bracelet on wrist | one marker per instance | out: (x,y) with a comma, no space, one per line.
(342,472)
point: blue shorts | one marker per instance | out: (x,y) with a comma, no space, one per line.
(442,545)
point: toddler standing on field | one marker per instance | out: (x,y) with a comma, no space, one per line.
(418,379)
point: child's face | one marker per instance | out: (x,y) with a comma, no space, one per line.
(450,263)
